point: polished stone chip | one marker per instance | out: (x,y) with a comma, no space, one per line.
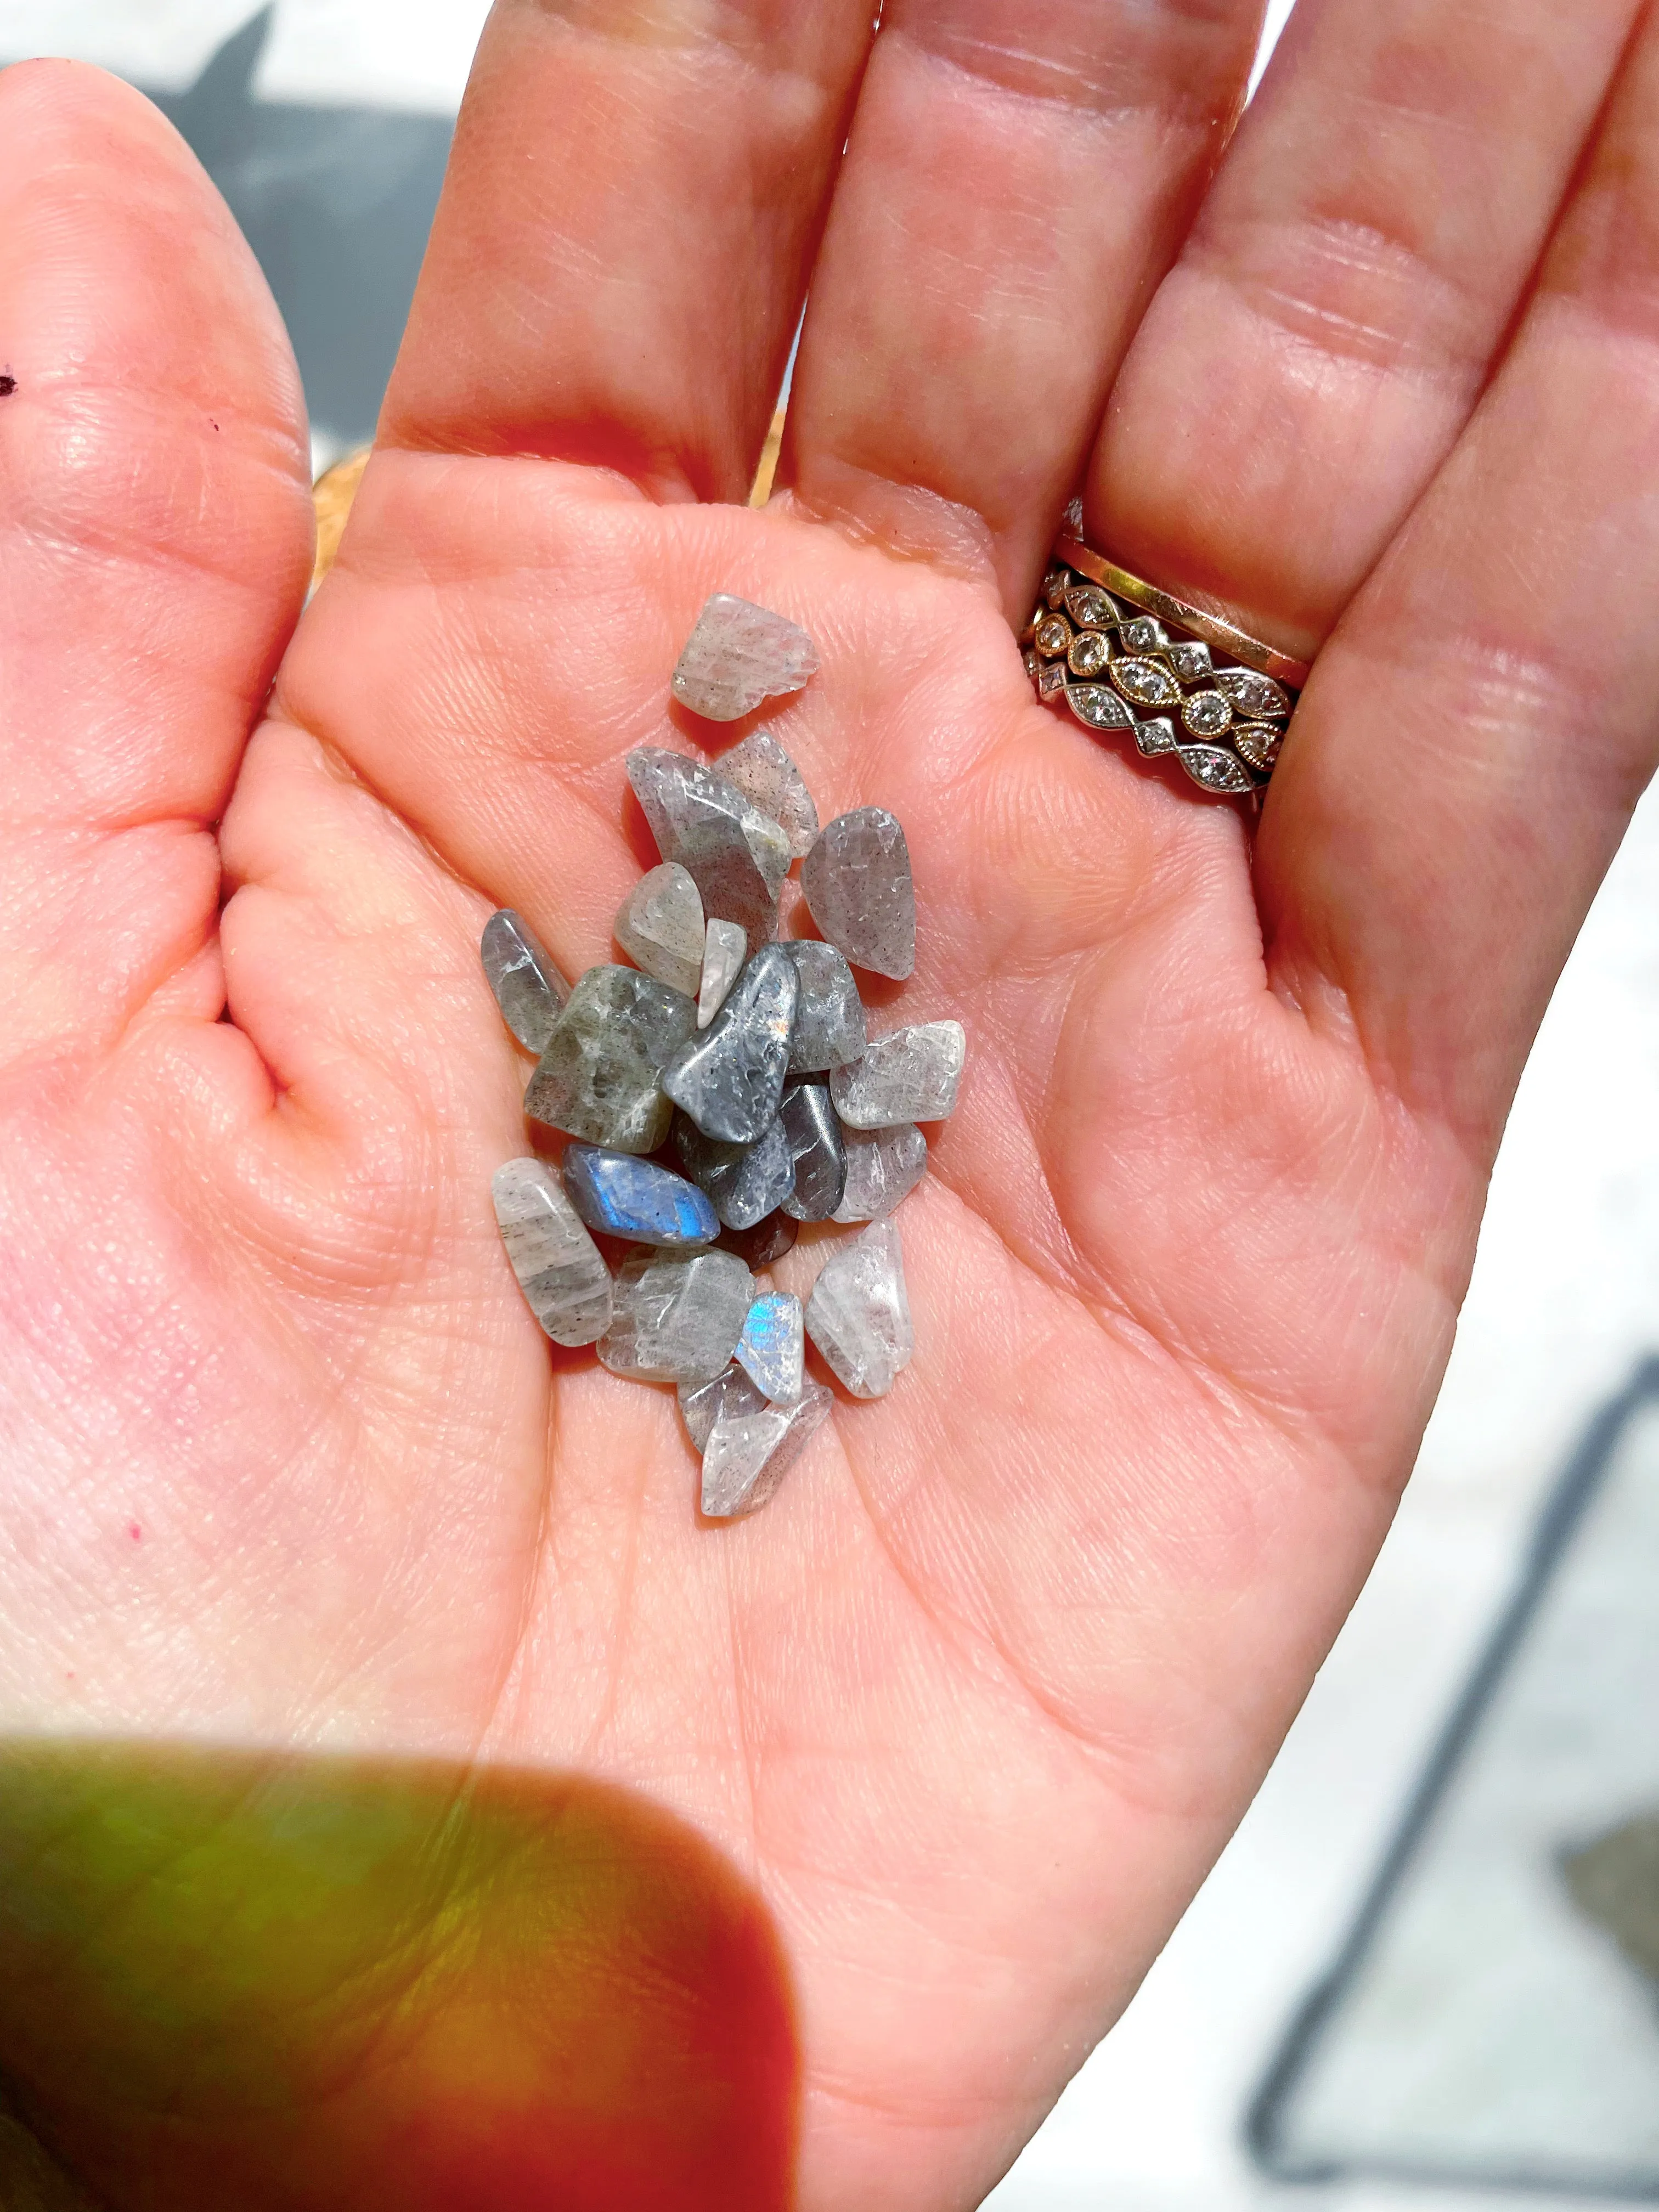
(676,1317)
(660,926)
(883,1166)
(858,1313)
(909,1075)
(829,1015)
(744,1182)
(702,1403)
(522,972)
(636,1199)
(737,858)
(748,1455)
(817,1152)
(598,1077)
(1051,678)
(738,656)
(725,948)
(858,885)
(768,1241)
(773,1345)
(730,1078)
(1052,637)
(565,1284)
(764,773)
(1143,634)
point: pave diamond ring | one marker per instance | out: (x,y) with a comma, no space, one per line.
(1124,655)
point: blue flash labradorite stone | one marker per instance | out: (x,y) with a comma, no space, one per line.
(770,1349)
(624,1196)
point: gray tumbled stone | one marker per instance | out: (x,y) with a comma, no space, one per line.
(598,1078)
(857,882)
(747,1456)
(744,1182)
(729,1079)
(702,1403)
(883,1167)
(565,1282)
(739,655)
(762,771)
(725,948)
(522,972)
(737,858)
(660,926)
(676,1317)
(766,1241)
(909,1075)
(858,1313)
(817,1152)
(830,1014)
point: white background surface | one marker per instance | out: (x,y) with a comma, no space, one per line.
(1565,1297)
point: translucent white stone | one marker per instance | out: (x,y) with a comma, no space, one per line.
(676,1317)
(858,1313)
(725,948)
(565,1284)
(738,656)
(909,1075)
(857,883)
(773,1345)
(660,926)
(762,771)
(748,1455)
(883,1167)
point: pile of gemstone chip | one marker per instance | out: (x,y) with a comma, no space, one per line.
(723,1089)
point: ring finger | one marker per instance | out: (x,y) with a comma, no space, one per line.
(1314,352)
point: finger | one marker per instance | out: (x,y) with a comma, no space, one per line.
(156,534)
(616,264)
(1017,180)
(1311,357)
(1482,722)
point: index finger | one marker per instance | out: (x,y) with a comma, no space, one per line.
(619,258)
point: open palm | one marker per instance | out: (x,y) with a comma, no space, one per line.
(290,1479)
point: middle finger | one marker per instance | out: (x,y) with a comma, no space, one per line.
(1017,180)
(1315,351)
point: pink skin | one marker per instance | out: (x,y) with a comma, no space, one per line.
(977,1699)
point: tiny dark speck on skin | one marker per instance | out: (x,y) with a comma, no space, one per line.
(8,384)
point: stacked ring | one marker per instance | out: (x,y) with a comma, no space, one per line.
(1124,655)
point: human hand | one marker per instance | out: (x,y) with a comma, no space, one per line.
(296,1510)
